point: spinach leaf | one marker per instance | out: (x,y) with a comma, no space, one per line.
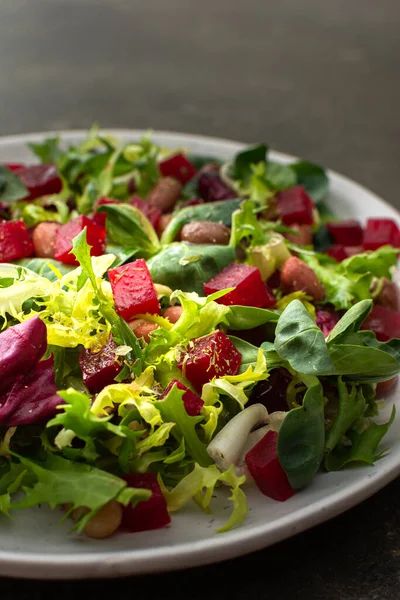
(279,177)
(301,342)
(313,178)
(252,155)
(350,322)
(248,317)
(362,363)
(363,446)
(217,212)
(48,151)
(187,266)
(301,438)
(128,227)
(11,187)
(352,406)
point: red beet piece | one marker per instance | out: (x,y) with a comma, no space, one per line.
(133,290)
(21,347)
(380,232)
(210,356)
(250,290)
(340,252)
(272,391)
(179,167)
(347,233)
(384,322)
(14,166)
(193,404)
(95,236)
(99,368)
(295,206)
(263,464)
(150,514)
(326,320)
(31,397)
(104,201)
(151,212)
(15,242)
(212,188)
(40,180)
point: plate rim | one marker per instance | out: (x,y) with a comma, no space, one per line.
(214,549)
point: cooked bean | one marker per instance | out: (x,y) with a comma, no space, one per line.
(142,328)
(162,223)
(389,295)
(303,237)
(173,313)
(205,232)
(296,276)
(105,522)
(165,194)
(43,238)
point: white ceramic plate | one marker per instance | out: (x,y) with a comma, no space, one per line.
(35,545)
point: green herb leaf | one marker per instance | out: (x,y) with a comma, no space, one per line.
(363,446)
(252,155)
(48,151)
(11,187)
(313,178)
(352,406)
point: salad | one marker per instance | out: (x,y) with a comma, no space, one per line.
(172,324)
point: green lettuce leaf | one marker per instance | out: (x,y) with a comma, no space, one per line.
(200,485)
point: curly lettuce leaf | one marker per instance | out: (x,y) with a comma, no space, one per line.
(173,410)
(60,481)
(200,485)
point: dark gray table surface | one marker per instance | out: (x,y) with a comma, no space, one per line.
(313,78)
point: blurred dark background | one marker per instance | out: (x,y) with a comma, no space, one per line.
(314,78)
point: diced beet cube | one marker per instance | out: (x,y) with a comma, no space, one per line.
(294,205)
(340,252)
(380,232)
(100,219)
(150,514)
(326,320)
(193,404)
(179,167)
(212,188)
(95,237)
(347,233)
(40,180)
(14,166)
(133,290)
(250,290)
(384,322)
(210,356)
(105,201)
(271,392)
(14,241)
(152,213)
(99,368)
(337,251)
(263,464)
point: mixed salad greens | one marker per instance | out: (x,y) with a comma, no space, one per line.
(171,323)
